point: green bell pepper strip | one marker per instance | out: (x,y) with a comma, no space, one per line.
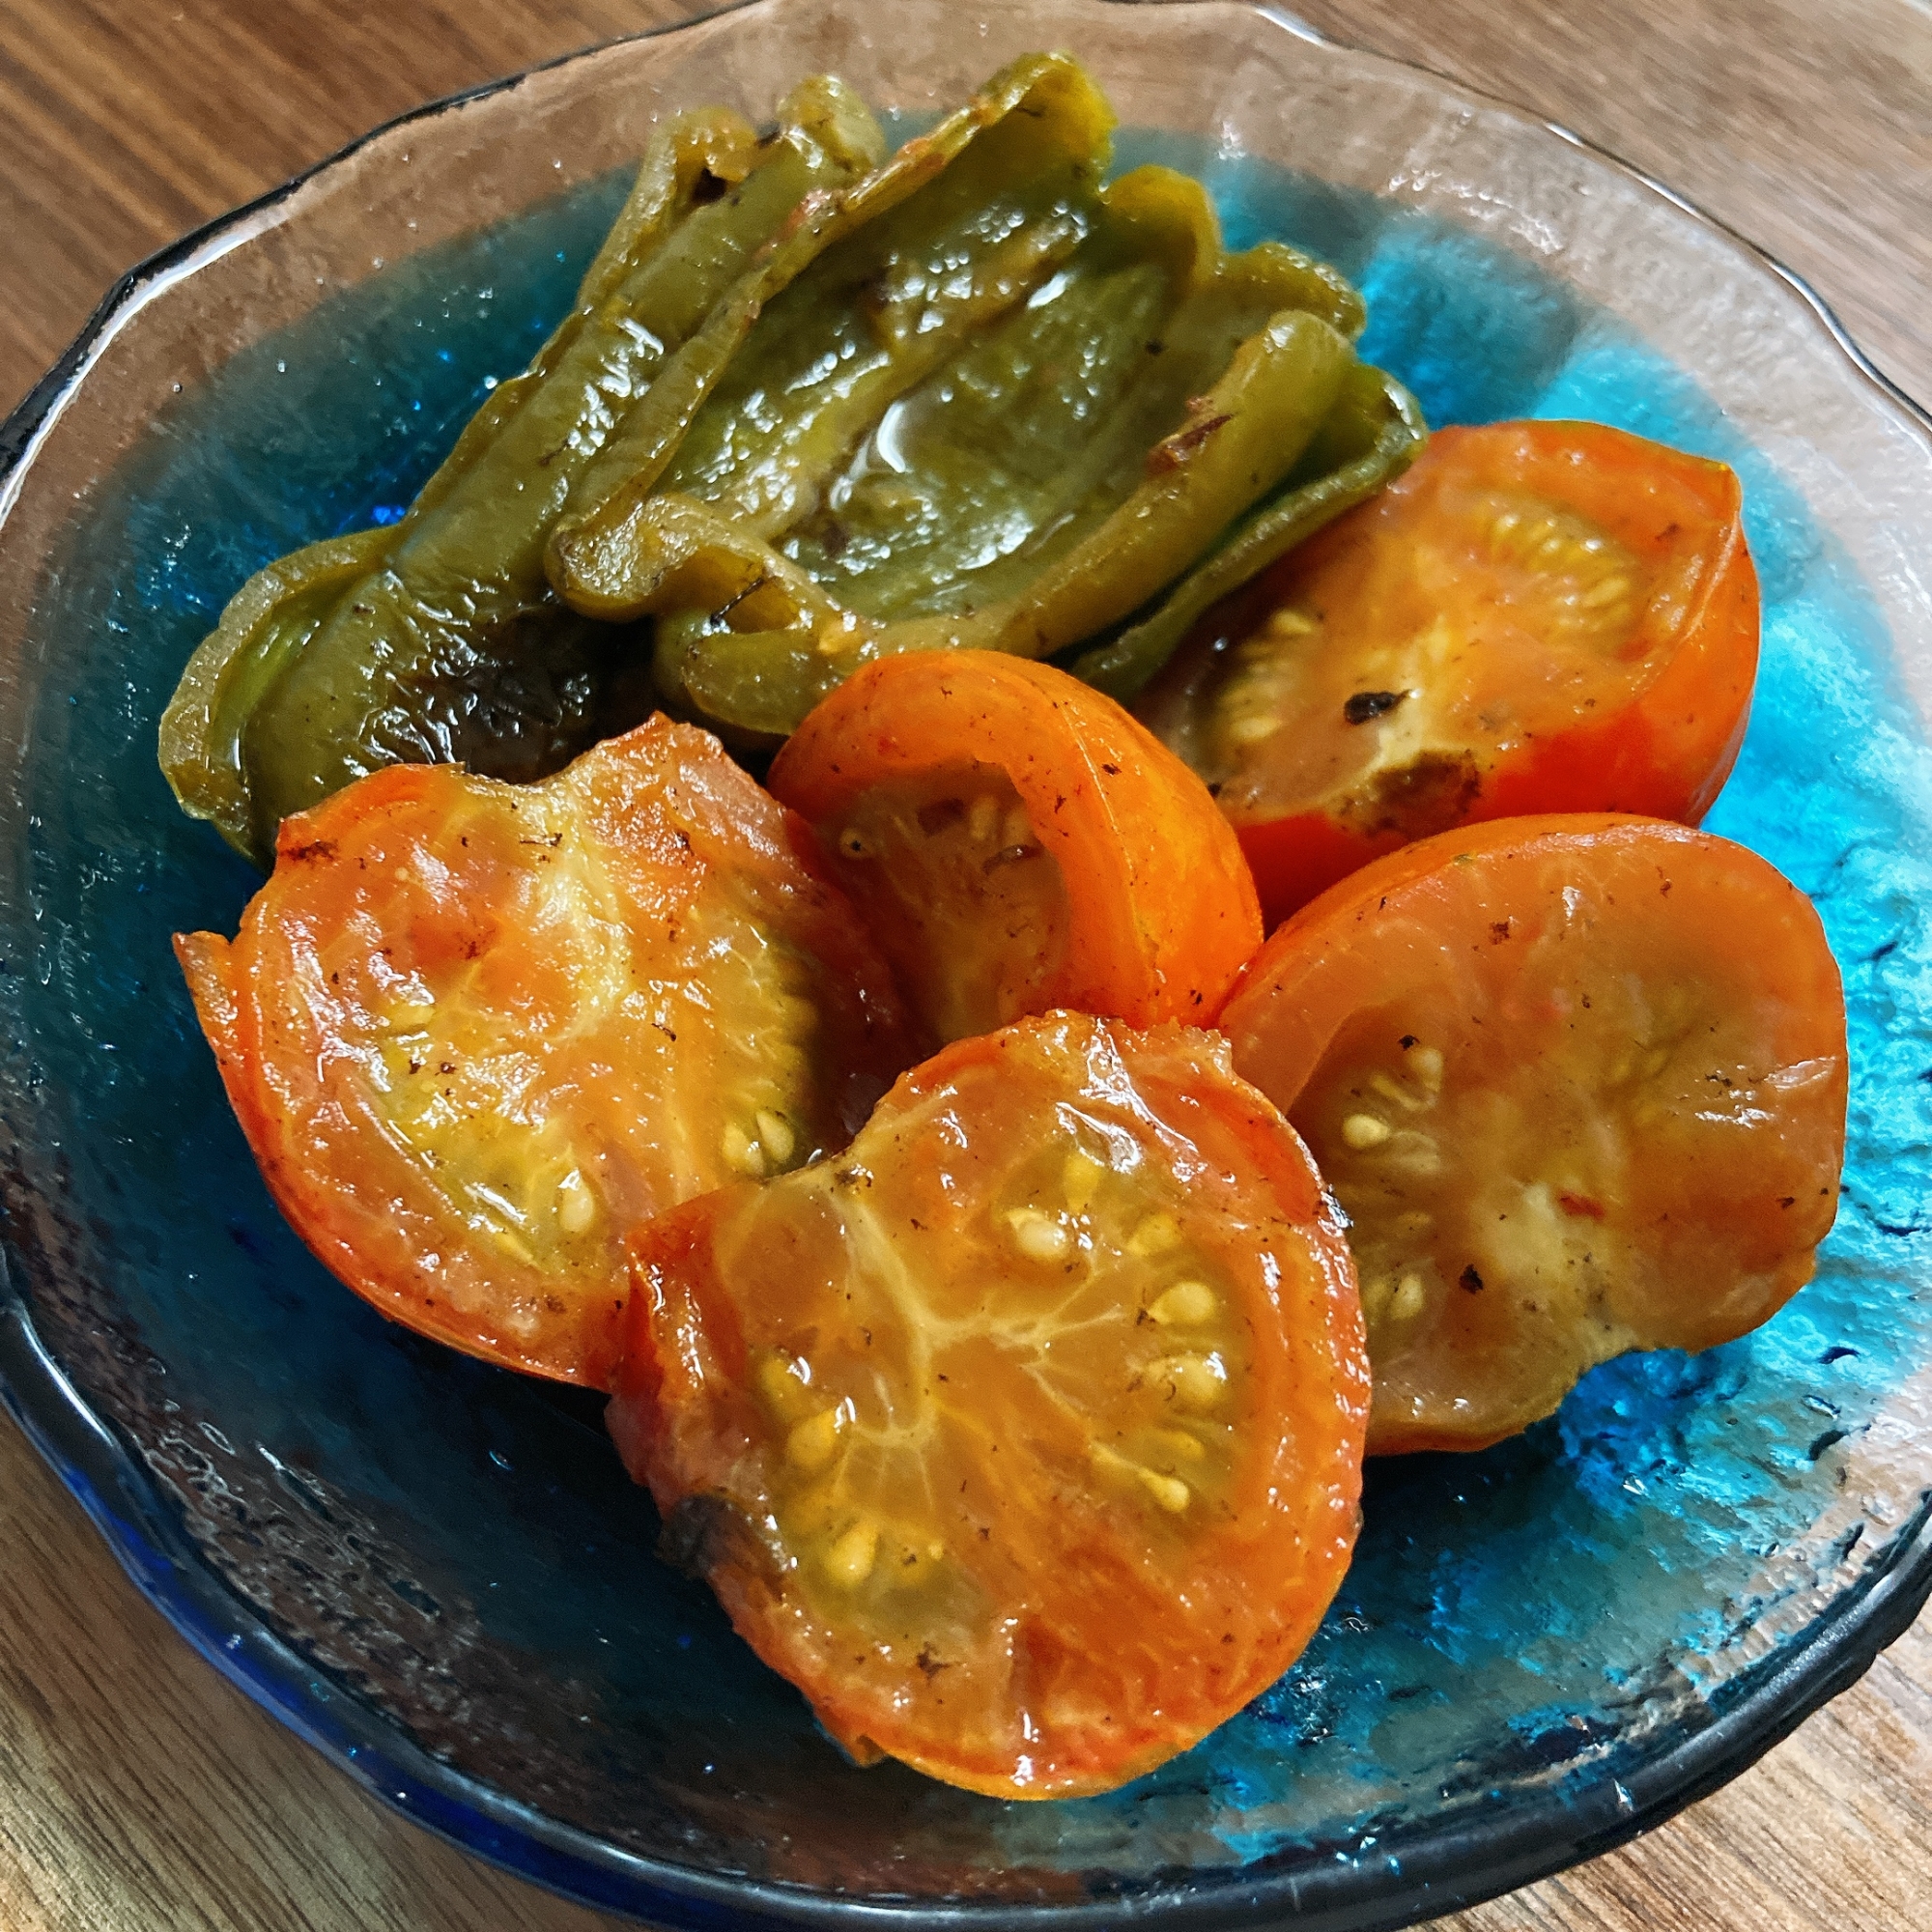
(439,637)
(1236,444)
(1371,435)
(1026,441)
(702,563)
(961,226)
(265,626)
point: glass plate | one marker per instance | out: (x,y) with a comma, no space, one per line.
(437,1571)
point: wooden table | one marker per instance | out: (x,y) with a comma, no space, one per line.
(138,1793)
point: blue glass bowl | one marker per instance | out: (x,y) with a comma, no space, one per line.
(436,1571)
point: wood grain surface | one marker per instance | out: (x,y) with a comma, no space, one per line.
(139,1792)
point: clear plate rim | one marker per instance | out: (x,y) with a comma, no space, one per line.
(1432,1870)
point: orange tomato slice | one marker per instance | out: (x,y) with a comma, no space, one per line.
(475,1031)
(1537,616)
(1579,1083)
(1025,1436)
(1018,843)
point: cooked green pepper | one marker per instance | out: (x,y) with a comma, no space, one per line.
(961,227)
(1045,480)
(439,637)
(1236,443)
(795,646)
(1371,435)
(1000,465)
(812,408)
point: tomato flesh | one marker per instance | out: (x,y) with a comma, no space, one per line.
(476,1033)
(1578,1084)
(1018,842)
(1025,1436)
(1535,617)
(968,902)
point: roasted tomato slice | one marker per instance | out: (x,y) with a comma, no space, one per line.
(1025,1436)
(1537,616)
(476,1032)
(1579,1085)
(1018,843)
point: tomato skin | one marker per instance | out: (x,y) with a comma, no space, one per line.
(452,989)
(1070,1635)
(1160,908)
(1647,723)
(1625,1131)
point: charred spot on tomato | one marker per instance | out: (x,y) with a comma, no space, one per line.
(1431,792)
(698,1534)
(1363,705)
